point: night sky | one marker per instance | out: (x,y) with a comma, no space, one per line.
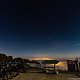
(40,28)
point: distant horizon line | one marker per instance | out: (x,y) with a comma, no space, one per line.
(50,57)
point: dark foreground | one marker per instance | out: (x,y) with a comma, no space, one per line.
(41,76)
(35,75)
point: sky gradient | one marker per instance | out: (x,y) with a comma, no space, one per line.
(40,28)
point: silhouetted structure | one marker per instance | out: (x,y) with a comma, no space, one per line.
(71,65)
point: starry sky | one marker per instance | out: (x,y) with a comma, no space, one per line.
(40,28)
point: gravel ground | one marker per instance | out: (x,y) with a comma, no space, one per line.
(42,76)
(33,75)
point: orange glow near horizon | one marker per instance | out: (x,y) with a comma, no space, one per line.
(62,65)
(42,58)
